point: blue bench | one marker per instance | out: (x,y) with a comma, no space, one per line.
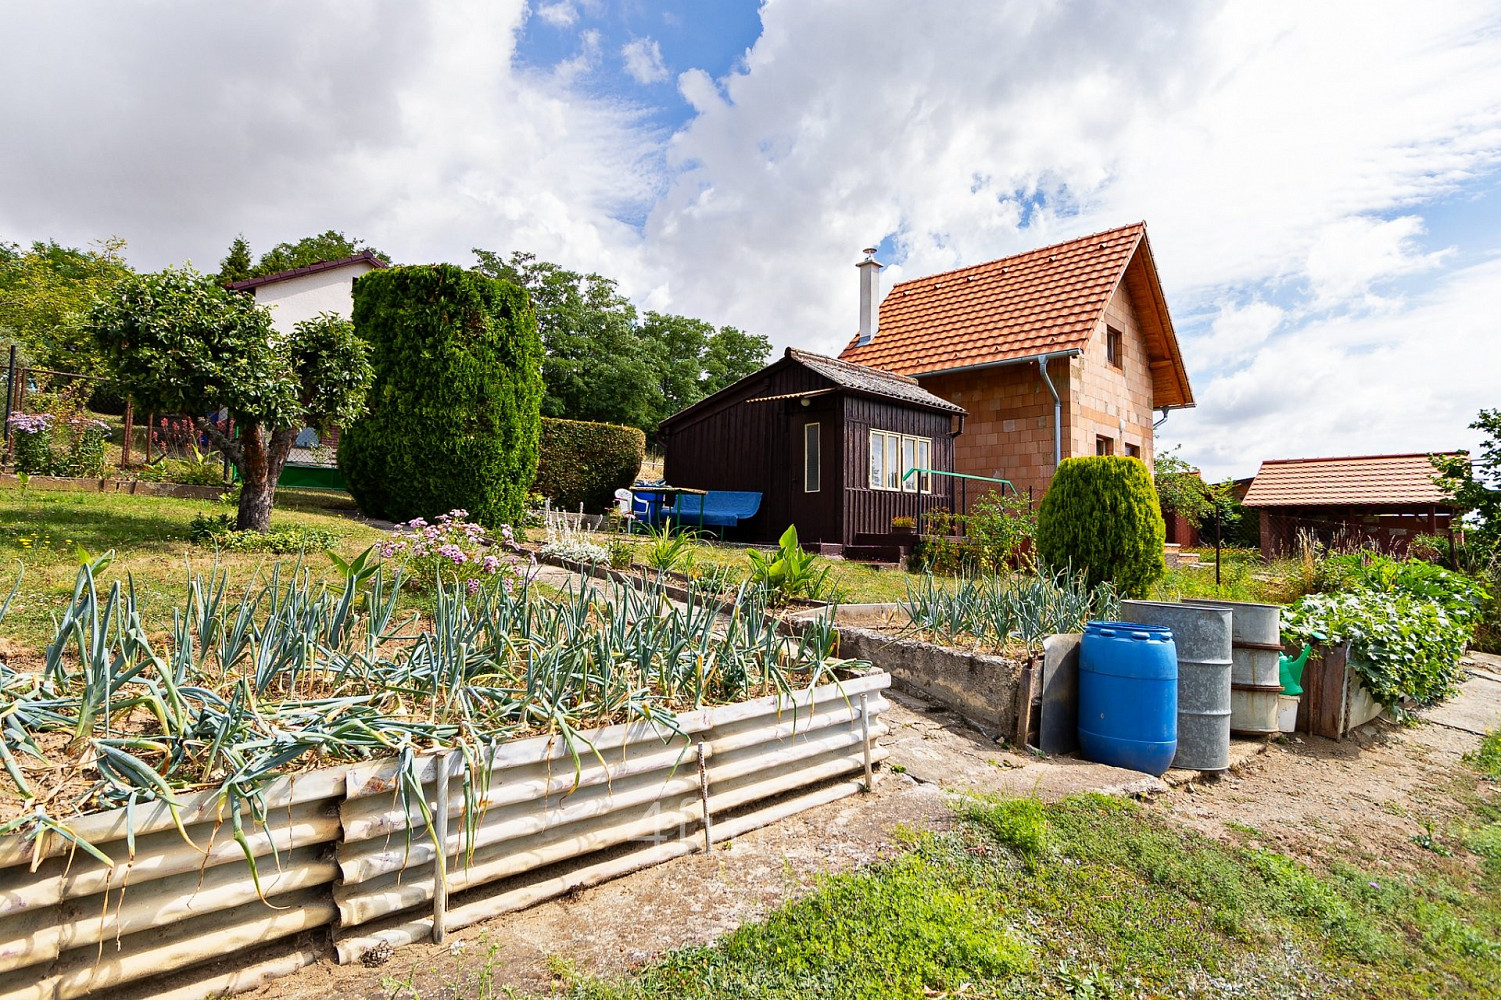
(715,509)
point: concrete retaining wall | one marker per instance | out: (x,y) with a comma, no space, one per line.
(980,687)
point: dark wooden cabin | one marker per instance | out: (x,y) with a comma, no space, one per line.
(800,432)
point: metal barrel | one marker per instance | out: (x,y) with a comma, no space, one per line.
(1255,679)
(1203,637)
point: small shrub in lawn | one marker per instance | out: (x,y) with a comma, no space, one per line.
(200,469)
(48,445)
(566,541)
(1101,514)
(791,572)
(667,550)
(581,463)
(621,553)
(218,531)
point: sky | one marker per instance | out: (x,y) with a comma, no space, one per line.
(1321,182)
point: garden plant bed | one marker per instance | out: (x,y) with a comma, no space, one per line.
(517,732)
(339,847)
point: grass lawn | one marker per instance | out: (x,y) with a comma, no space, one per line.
(1096,897)
(42,532)
(1244,576)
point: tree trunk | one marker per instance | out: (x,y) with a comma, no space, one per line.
(260,465)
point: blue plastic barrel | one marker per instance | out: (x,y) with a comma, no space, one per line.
(1128,695)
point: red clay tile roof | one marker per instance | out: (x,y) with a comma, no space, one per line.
(363,257)
(1364,480)
(1039,302)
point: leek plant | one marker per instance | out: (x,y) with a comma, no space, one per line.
(294,671)
(1015,610)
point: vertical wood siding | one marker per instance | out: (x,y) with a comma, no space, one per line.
(868,511)
(733,444)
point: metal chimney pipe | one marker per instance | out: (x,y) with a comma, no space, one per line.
(870,300)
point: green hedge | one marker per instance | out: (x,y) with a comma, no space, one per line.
(455,405)
(1101,515)
(580,462)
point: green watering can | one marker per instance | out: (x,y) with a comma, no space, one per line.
(1292,671)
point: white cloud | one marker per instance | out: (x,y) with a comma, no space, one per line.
(560,15)
(1350,255)
(178,127)
(643,60)
(1237,333)
(1283,153)
(1264,143)
(1402,381)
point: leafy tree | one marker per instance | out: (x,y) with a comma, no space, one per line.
(236,265)
(732,354)
(1474,484)
(595,365)
(178,342)
(602,364)
(1184,492)
(694,360)
(332,245)
(44,291)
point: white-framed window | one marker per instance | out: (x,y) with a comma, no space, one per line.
(812,459)
(892,454)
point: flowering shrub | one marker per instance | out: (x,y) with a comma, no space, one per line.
(33,436)
(37,433)
(455,548)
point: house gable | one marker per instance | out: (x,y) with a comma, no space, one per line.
(1045,301)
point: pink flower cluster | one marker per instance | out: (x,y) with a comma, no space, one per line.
(453,544)
(30,423)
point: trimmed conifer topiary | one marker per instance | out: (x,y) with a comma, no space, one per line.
(1101,516)
(456,402)
(582,462)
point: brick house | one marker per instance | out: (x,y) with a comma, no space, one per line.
(1057,352)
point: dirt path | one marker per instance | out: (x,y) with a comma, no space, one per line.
(1316,799)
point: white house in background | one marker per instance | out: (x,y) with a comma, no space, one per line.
(303,293)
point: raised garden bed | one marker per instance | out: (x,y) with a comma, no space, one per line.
(137,486)
(1334,699)
(340,849)
(276,757)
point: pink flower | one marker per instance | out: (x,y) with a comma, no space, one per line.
(416,522)
(490,564)
(473,585)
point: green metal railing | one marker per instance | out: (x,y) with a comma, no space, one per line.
(964,479)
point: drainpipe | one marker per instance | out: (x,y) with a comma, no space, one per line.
(1042,366)
(1158,423)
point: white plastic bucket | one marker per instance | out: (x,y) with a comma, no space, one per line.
(1287,712)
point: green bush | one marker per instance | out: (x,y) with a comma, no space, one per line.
(1102,515)
(454,408)
(579,462)
(1400,644)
